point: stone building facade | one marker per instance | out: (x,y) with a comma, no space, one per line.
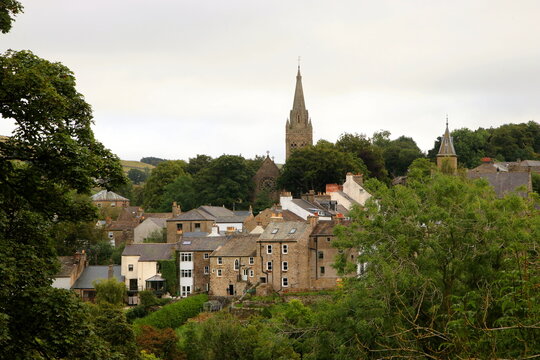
(447,157)
(265,179)
(298,129)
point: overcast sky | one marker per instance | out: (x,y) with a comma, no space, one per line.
(175,78)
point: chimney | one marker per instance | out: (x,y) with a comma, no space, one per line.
(176,211)
(486,160)
(313,220)
(215,231)
(310,196)
(359,179)
(110,274)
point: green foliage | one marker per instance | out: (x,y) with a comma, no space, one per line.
(370,154)
(198,163)
(449,275)
(100,253)
(157,236)
(180,190)
(8,10)
(137,176)
(421,169)
(152,160)
(169,271)
(263,201)
(175,314)
(399,154)
(225,181)
(535,182)
(116,256)
(312,167)
(50,159)
(110,292)
(165,173)
(70,236)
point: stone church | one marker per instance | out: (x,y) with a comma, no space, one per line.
(298,133)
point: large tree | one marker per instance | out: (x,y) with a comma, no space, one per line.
(452,273)
(363,148)
(399,154)
(51,155)
(163,174)
(312,167)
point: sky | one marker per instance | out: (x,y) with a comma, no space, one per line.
(174,78)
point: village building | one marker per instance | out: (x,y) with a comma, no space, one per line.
(71,268)
(194,262)
(265,180)
(85,284)
(148,227)
(298,129)
(141,270)
(104,199)
(275,213)
(234,266)
(447,157)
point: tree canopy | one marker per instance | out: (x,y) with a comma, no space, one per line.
(363,148)
(165,173)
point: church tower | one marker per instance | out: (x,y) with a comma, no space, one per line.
(298,130)
(447,157)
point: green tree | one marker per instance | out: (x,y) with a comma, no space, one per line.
(152,160)
(51,155)
(165,173)
(156,236)
(100,253)
(8,10)
(399,154)
(362,147)
(180,191)
(198,163)
(110,291)
(312,167)
(137,176)
(449,275)
(225,181)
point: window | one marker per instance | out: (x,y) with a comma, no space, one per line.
(275,231)
(207,269)
(113,204)
(352,257)
(251,273)
(220,260)
(130,267)
(321,255)
(284,249)
(185,256)
(251,261)
(268,249)
(322,270)
(219,272)
(197,226)
(206,255)
(185,273)
(292,231)
(284,282)
(262,280)
(236,264)
(133,285)
(269,266)
(98,204)
(111,235)
(178,228)
(285,266)
(328,239)
(186,290)
(207,287)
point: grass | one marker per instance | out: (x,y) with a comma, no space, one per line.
(129,164)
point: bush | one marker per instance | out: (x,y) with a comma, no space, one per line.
(135,313)
(174,315)
(110,291)
(160,342)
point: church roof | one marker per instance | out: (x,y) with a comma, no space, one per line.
(299,103)
(447,144)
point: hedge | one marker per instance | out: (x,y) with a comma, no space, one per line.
(175,314)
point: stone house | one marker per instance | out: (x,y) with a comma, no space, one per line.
(275,213)
(140,267)
(283,252)
(147,228)
(71,268)
(104,199)
(194,262)
(234,266)
(84,286)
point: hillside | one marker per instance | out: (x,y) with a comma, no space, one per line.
(129,164)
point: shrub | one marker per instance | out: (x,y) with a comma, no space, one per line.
(160,342)
(175,314)
(110,291)
(136,312)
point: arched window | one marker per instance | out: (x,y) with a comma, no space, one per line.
(236,264)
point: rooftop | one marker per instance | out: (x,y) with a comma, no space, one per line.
(96,272)
(238,245)
(150,252)
(287,230)
(105,195)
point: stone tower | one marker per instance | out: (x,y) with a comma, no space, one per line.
(447,158)
(298,130)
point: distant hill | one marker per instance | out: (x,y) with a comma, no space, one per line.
(128,165)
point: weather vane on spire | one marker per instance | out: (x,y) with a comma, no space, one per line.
(446,120)
(299,58)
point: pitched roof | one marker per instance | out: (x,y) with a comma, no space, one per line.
(167,215)
(122,225)
(193,215)
(158,221)
(96,272)
(202,243)
(216,211)
(327,227)
(150,252)
(447,144)
(238,245)
(530,163)
(105,195)
(287,230)
(67,264)
(504,182)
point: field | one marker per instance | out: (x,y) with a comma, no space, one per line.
(128,165)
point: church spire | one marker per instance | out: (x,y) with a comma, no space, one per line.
(299,103)
(447,157)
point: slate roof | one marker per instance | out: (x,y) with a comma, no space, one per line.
(96,272)
(284,231)
(158,221)
(202,243)
(150,252)
(504,182)
(530,163)
(122,225)
(327,227)
(214,213)
(193,215)
(311,207)
(168,215)
(105,195)
(238,245)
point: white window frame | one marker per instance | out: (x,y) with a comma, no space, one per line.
(186,290)
(186,273)
(219,273)
(269,249)
(186,257)
(207,270)
(206,255)
(284,248)
(268,266)
(130,267)
(284,266)
(219,260)
(251,273)
(236,265)
(285,282)
(251,260)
